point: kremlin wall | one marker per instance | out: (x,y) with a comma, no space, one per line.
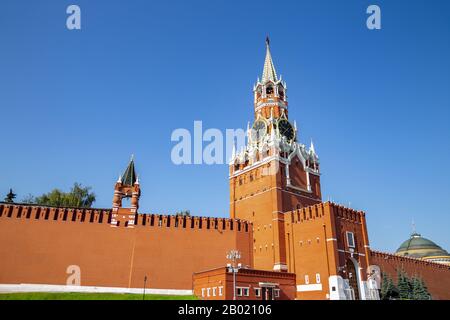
(435,275)
(39,243)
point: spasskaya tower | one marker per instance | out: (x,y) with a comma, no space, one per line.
(274,173)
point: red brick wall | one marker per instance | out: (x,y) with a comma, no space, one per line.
(436,276)
(39,250)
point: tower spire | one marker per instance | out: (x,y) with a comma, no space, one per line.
(129,176)
(269,73)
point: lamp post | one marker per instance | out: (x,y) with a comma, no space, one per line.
(145,281)
(233,256)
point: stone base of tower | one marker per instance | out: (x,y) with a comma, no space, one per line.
(123,217)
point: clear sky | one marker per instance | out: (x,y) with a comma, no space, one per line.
(74,105)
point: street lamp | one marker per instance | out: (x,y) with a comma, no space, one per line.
(233,256)
(145,281)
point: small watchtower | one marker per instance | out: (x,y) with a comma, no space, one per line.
(127,186)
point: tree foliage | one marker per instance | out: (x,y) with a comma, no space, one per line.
(412,288)
(78,196)
(186,213)
(404,285)
(388,288)
(420,290)
(10,196)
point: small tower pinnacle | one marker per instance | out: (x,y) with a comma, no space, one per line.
(312,147)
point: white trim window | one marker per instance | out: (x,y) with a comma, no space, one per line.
(317,277)
(306,279)
(214,291)
(203,292)
(220,291)
(350,239)
(276,293)
(208,292)
(258,292)
(242,291)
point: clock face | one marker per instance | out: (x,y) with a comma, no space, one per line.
(286,129)
(259,129)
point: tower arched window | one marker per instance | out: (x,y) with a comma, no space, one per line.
(269,90)
(258,92)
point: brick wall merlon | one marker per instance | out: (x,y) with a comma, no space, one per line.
(36,212)
(310,213)
(192,222)
(346,213)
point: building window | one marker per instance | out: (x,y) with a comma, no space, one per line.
(242,292)
(317,277)
(306,279)
(208,292)
(350,239)
(214,291)
(276,293)
(257,292)
(220,291)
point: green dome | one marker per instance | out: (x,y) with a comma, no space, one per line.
(419,247)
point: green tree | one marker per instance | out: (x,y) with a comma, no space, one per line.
(417,288)
(388,289)
(10,196)
(28,199)
(78,196)
(420,291)
(404,285)
(186,213)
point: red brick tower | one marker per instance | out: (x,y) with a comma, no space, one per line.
(127,186)
(274,173)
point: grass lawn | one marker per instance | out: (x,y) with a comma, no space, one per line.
(87,296)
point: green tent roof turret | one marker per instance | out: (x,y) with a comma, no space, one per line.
(129,177)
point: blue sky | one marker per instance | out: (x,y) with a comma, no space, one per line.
(74,105)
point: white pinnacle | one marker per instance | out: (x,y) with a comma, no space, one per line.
(313,150)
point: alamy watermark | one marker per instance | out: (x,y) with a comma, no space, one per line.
(374,20)
(73,21)
(212,146)
(208,147)
(74,278)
